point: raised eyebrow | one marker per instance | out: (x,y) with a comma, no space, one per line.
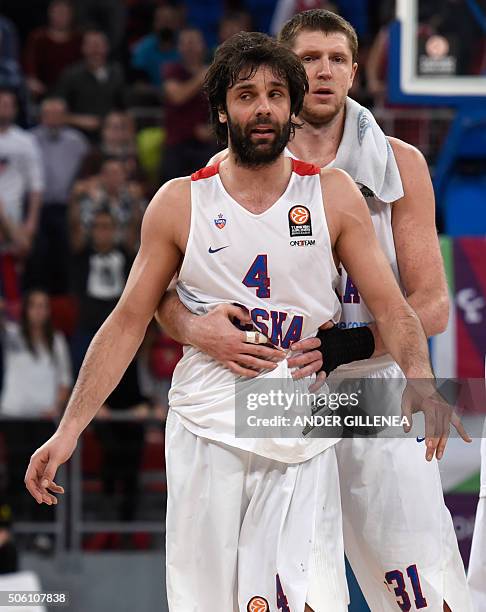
(280,84)
(250,85)
(244,85)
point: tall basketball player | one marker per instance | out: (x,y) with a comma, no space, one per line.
(242,512)
(398,533)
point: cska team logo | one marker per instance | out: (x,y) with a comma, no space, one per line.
(220,222)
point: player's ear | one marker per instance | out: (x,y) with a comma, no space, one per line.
(353,72)
(223,118)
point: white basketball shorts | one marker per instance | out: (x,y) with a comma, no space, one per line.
(398,533)
(241,528)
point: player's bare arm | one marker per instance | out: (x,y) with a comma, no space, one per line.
(352,233)
(216,335)
(417,247)
(163,239)
(416,242)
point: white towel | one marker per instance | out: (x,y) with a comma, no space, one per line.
(366,155)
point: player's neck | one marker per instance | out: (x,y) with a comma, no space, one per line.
(318,144)
(257,189)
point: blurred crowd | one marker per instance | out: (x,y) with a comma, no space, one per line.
(101,102)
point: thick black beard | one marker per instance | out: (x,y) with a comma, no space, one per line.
(248,154)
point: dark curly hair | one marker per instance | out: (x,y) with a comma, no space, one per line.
(239,57)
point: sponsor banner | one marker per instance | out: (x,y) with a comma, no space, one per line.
(443,346)
(460,347)
(470,305)
(460,350)
(462,507)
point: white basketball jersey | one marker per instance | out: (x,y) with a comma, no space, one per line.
(277,264)
(354,312)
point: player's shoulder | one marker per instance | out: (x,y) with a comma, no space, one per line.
(406,154)
(174,194)
(175,188)
(335,178)
(169,209)
(341,196)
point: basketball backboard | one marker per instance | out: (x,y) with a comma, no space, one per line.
(438,52)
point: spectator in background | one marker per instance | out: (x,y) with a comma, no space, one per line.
(11,76)
(108,16)
(93,87)
(63,149)
(153,51)
(158,357)
(51,49)
(232,23)
(189,140)
(21,174)
(37,382)
(261,12)
(13,242)
(122,442)
(376,68)
(99,272)
(205,16)
(110,190)
(377,61)
(37,378)
(118,142)
(9,41)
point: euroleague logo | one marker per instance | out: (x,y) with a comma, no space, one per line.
(300,221)
(258,604)
(299,215)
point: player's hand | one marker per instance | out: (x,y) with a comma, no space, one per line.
(39,478)
(307,360)
(421,395)
(216,335)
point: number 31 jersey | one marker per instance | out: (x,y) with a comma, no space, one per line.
(277,264)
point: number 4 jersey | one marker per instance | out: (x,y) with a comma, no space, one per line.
(279,265)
